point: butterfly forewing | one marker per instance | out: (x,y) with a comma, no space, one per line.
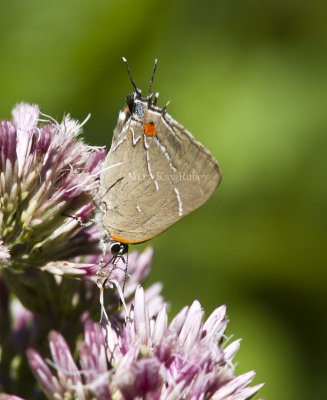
(160,178)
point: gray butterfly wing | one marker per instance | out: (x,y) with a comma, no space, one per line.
(160,178)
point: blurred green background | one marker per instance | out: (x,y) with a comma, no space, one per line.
(248,79)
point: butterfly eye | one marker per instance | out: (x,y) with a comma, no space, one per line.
(130,103)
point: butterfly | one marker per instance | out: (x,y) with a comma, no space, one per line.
(155,173)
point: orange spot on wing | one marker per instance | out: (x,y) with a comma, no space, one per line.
(149,129)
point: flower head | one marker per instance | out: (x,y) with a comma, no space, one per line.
(147,358)
(48,180)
